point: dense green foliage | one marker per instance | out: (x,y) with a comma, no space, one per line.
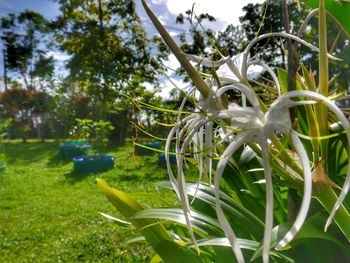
(109,50)
(86,129)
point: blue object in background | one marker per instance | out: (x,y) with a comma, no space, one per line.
(162,162)
(139,150)
(93,163)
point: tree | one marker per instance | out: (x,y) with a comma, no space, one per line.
(110,55)
(26,45)
(258,19)
(17,104)
(107,45)
(268,18)
(25,50)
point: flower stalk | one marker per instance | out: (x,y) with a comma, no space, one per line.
(321,111)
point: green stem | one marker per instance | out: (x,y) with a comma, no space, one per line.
(323,62)
(285,156)
(327,197)
(321,110)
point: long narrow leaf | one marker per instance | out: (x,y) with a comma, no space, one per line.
(199,221)
(232,209)
(156,235)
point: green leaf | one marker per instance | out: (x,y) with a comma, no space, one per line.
(150,196)
(338,158)
(283,79)
(135,240)
(233,210)
(243,243)
(199,221)
(309,79)
(117,220)
(327,197)
(310,230)
(156,259)
(340,10)
(156,235)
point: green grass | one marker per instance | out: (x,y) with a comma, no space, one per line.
(50,214)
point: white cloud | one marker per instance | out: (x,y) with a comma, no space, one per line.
(173,34)
(163,19)
(172,62)
(167,85)
(58,56)
(158,2)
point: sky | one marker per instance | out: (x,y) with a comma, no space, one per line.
(225,11)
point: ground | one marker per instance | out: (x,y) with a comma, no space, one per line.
(50,214)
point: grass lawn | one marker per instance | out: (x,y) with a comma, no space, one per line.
(50,214)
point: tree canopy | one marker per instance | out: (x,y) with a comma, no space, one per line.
(108,48)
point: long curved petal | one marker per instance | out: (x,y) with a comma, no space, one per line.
(276,34)
(344,122)
(270,71)
(208,150)
(181,178)
(205,61)
(167,150)
(269,200)
(305,204)
(219,212)
(248,92)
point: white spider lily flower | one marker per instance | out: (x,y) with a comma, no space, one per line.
(235,69)
(229,68)
(269,124)
(250,124)
(258,127)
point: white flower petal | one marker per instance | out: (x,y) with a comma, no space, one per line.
(305,204)
(219,212)
(344,122)
(269,200)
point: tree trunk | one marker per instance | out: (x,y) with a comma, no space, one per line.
(292,71)
(100,13)
(5,68)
